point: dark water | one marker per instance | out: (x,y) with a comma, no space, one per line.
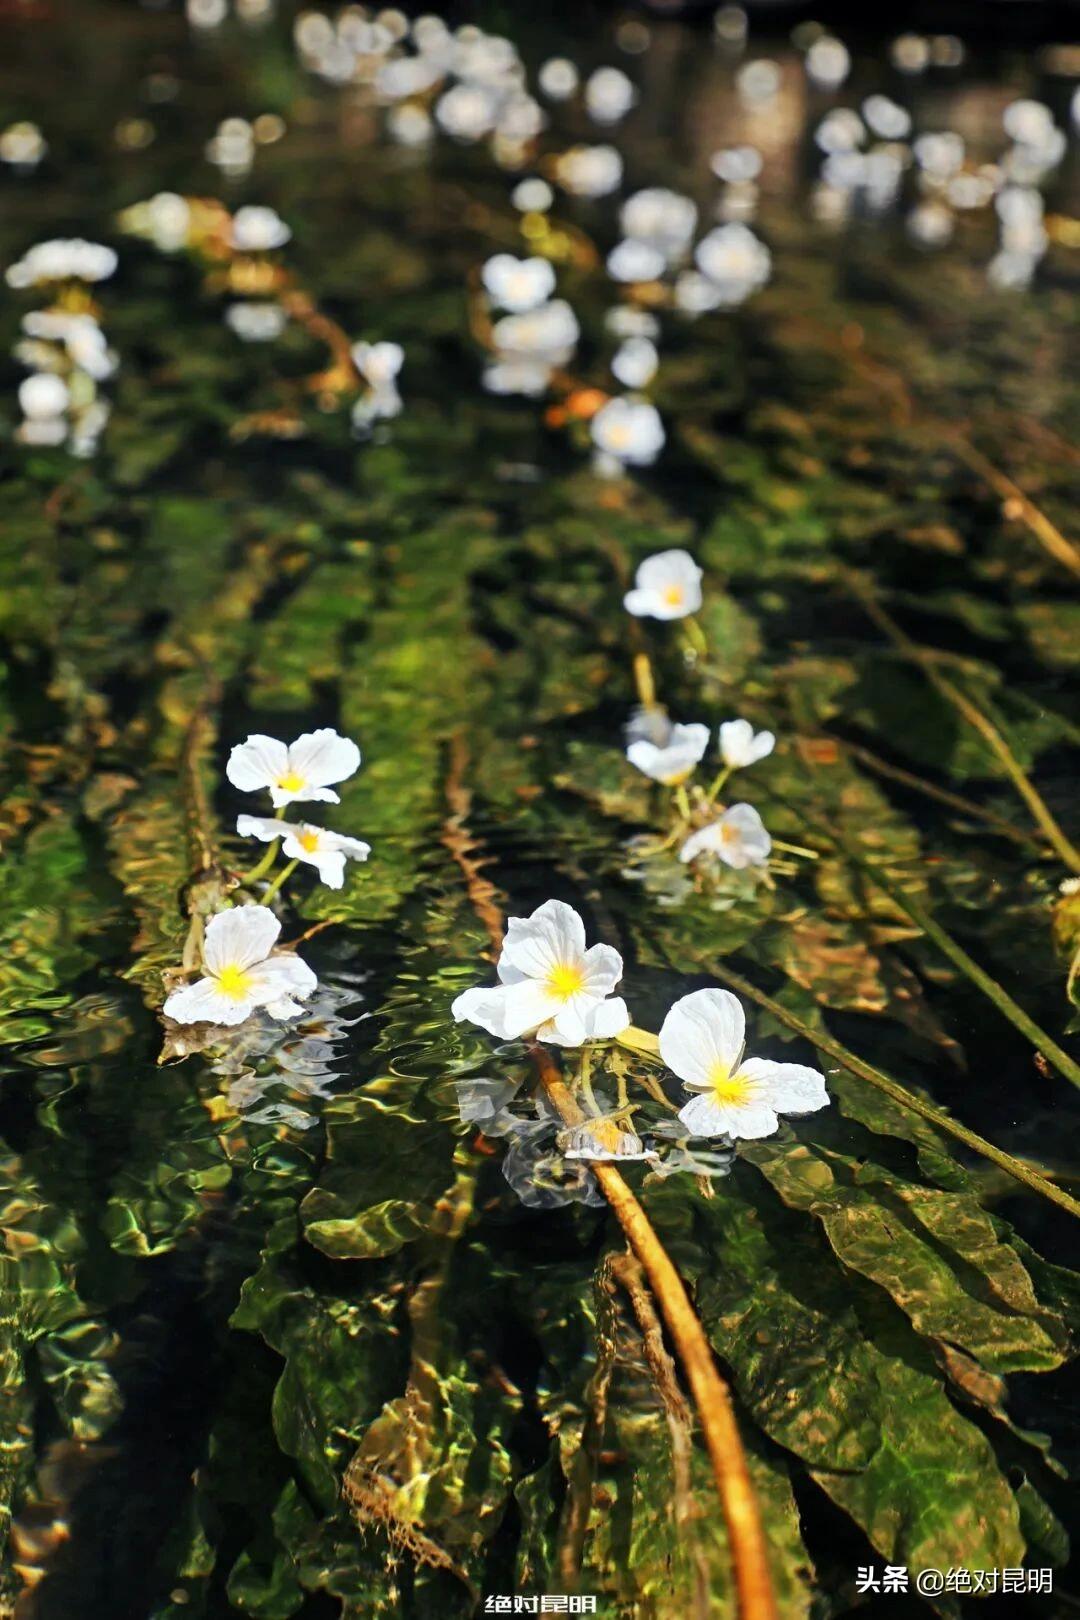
(244,1268)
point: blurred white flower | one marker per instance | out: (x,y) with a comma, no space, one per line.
(663,218)
(558,78)
(886,117)
(667,585)
(940,154)
(1027,121)
(378,363)
(43,397)
(410,125)
(737,165)
(630,430)
(635,362)
(841,130)
(632,261)
(589,171)
(256,229)
(735,261)
(930,224)
(467,111)
(696,294)
(256,321)
(758,82)
(737,837)
(22,145)
(81,336)
(702,1040)
(299,770)
(627,321)
(518,284)
(550,986)
(532,196)
(62,259)
(674,760)
(529,347)
(241,974)
(828,62)
(326,851)
(741,745)
(609,95)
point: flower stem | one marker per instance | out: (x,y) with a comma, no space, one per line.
(286,872)
(263,866)
(975,718)
(644,1044)
(643,680)
(797,849)
(695,636)
(682,802)
(717,783)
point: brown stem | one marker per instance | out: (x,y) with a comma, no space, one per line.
(712,1397)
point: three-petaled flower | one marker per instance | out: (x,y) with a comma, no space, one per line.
(666,586)
(702,1041)
(241,975)
(549,985)
(737,837)
(291,771)
(740,745)
(672,760)
(326,851)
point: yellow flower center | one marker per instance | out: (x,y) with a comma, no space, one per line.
(290,782)
(673,595)
(619,435)
(566,980)
(234,982)
(728,1087)
(729,833)
(308,841)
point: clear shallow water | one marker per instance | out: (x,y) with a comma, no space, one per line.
(237,1278)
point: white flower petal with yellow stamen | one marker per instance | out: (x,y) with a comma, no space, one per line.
(740,745)
(293,771)
(666,586)
(326,851)
(241,975)
(674,760)
(630,430)
(701,1041)
(550,985)
(518,284)
(738,838)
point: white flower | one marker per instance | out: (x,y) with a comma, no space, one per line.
(550,985)
(886,117)
(602,1140)
(518,284)
(630,430)
(241,974)
(326,851)
(529,346)
(940,154)
(930,224)
(738,838)
(1027,121)
(378,363)
(735,260)
(828,62)
(740,745)
(609,95)
(467,111)
(43,396)
(624,321)
(634,363)
(701,1040)
(673,760)
(667,585)
(255,321)
(62,259)
(558,78)
(631,260)
(409,125)
(841,130)
(257,230)
(663,218)
(22,145)
(299,770)
(532,196)
(695,294)
(589,171)
(736,165)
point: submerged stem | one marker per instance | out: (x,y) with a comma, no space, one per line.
(712,1397)
(285,873)
(975,718)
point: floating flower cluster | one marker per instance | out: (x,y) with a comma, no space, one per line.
(243,971)
(63,346)
(553,988)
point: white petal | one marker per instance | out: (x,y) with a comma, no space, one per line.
(281,796)
(554,936)
(787,1088)
(568,1027)
(239,937)
(354,848)
(639,603)
(704,1116)
(703,1032)
(705,839)
(285,1008)
(763,745)
(607,1018)
(281,976)
(752,845)
(331,868)
(507,1011)
(736,737)
(265,827)
(322,757)
(602,967)
(203,1003)
(257,763)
